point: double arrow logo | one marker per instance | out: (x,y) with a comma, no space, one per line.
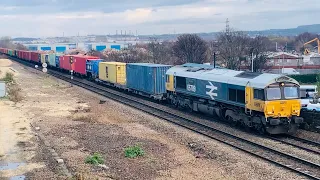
(212,88)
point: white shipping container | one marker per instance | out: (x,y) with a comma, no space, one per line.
(2,89)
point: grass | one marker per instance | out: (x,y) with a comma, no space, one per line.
(95,159)
(133,151)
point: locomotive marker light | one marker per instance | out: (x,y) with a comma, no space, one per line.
(36,66)
(212,88)
(44,70)
(44,65)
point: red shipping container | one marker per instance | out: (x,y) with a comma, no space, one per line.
(64,62)
(20,54)
(34,56)
(79,64)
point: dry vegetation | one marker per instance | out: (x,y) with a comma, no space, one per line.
(14,91)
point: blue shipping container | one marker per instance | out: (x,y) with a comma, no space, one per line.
(57,61)
(117,47)
(33,48)
(101,48)
(92,67)
(45,48)
(61,49)
(147,78)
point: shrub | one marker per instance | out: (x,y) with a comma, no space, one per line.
(133,151)
(305,78)
(95,159)
(14,93)
(8,78)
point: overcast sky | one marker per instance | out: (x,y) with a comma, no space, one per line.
(42,18)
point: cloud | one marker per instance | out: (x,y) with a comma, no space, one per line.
(54,17)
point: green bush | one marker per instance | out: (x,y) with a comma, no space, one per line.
(305,78)
(95,159)
(133,151)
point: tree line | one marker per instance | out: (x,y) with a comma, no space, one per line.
(233,49)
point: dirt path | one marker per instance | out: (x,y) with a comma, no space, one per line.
(17,141)
(76,125)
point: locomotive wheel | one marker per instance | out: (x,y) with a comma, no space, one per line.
(306,126)
(231,121)
(261,129)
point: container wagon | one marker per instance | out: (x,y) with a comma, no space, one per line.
(92,68)
(113,73)
(79,64)
(147,79)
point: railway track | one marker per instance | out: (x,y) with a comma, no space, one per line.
(287,161)
(302,144)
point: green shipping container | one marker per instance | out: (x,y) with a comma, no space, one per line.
(10,52)
(52,59)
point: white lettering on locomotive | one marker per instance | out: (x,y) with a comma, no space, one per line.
(191,88)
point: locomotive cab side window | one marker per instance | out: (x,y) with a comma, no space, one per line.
(181,82)
(259,94)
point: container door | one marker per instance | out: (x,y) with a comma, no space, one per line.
(121,74)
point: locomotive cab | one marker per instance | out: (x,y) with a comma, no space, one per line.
(280,104)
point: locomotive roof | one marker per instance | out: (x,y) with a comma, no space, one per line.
(242,78)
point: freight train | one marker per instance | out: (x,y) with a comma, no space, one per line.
(265,102)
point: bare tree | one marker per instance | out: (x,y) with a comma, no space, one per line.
(303,38)
(6,42)
(259,47)
(190,48)
(154,47)
(232,47)
(21,47)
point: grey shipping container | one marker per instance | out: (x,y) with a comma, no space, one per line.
(2,89)
(148,79)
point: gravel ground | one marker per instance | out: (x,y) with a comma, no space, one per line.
(77,125)
(309,135)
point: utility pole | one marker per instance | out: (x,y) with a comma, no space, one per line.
(214,59)
(252,62)
(227,27)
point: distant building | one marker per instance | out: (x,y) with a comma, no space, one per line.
(284,59)
(311,59)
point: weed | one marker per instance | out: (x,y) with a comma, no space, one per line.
(133,151)
(14,93)
(84,118)
(8,78)
(95,159)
